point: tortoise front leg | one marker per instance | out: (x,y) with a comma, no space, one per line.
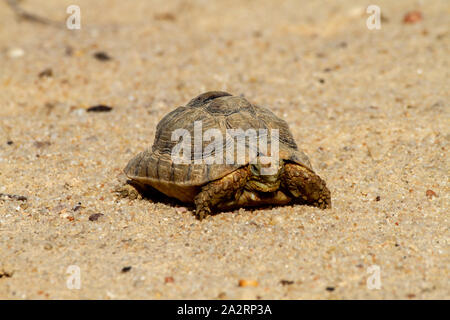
(306,186)
(218,191)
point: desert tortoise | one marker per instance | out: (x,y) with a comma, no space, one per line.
(223,185)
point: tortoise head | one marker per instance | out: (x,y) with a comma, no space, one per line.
(264,180)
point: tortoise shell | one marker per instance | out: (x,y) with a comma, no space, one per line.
(218,110)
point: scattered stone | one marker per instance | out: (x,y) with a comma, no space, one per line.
(431,194)
(99,108)
(102,56)
(322,80)
(378,198)
(248,283)
(5,274)
(46,73)
(167,16)
(331,289)
(286,282)
(68,51)
(181,210)
(169,280)
(4,196)
(42,144)
(222,295)
(95,216)
(48,246)
(77,207)
(412,17)
(9,142)
(126,269)
(16,53)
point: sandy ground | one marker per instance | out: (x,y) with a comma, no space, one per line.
(369,107)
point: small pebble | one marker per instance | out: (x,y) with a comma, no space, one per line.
(181,210)
(222,295)
(412,17)
(286,282)
(68,51)
(95,216)
(45,73)
(431,194)
(378,198)
(330,289)
(126,269)
(169,280)
(9,142)
(13,197)
(167,16)
(16,53)
(42,144)
(77,207)
(102,56)
(248,283)
(5,274)
(99,108)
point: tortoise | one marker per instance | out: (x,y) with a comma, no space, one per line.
(225,185)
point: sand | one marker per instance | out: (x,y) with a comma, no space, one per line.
(369,107)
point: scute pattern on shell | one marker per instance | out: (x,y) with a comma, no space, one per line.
(214,109)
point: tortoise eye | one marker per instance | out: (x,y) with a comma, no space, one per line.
(254,169)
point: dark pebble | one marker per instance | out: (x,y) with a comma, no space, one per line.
(126,269)
(77,207)
(286,282)
(13,197)
(10,142)
(99,108)
(95,216)
(5,274)
(45,73)
(102,56)
(378,198)
(330,289)
(322,80)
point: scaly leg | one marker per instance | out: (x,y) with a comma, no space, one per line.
(306,186)
(220,190)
